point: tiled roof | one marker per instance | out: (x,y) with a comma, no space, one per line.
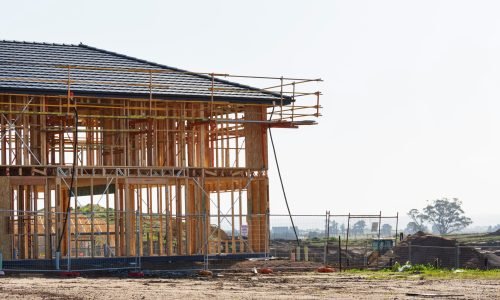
(43,68)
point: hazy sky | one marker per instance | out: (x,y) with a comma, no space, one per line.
(411,92)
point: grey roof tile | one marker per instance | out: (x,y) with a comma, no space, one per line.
(42,68)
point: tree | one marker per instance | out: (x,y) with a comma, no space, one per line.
(342,229)
(417,223)
(446,216)
(334,228)
(493,228)
(100,212)
(359,227)
(413,227)
(386,230)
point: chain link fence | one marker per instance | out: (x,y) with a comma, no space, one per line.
(40,241)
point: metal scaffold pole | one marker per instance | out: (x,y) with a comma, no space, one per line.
(68,241)
(327,236)
(137,233)
(205,242)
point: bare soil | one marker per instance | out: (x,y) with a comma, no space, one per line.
(249,286)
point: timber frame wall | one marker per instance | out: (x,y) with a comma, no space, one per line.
(160,169)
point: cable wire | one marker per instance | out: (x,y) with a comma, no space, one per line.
(281,180)
(73,171)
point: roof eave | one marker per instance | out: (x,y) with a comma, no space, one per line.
(53,92)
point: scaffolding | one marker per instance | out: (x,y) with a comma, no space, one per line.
(141,175)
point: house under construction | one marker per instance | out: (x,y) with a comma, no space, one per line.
(103,154)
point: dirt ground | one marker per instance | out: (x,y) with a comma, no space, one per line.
(248,286)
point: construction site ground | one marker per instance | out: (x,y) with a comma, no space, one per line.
(287,285)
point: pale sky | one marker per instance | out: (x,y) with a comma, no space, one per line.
(411,88)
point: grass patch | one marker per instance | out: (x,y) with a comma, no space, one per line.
(428,272)
(474,238)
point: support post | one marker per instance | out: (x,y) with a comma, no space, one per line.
(340,255)
(409,252)
(347,238)
(327,235)
(68,240)
(137,246)
(397,222)
(205,241)
(58,260)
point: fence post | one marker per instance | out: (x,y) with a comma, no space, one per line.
(205,241)
(347,239)
(397,223)
(327,235)
(58,258)
(365,256)
(409,251)
(268,234)
(340,255)
(69,239)
(458,256)
(137,241)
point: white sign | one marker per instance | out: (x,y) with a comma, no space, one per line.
(244,230)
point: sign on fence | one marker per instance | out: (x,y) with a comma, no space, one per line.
(244,230)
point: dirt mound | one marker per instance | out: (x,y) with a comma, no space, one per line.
(495,233)
(422,248)
(423,239)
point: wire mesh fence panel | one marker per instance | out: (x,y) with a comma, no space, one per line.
(277,242)
(365,239)
(25,243)
(303,241)
(231,240)
(52,241)
(479,256)
(436,256)
(452,257)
